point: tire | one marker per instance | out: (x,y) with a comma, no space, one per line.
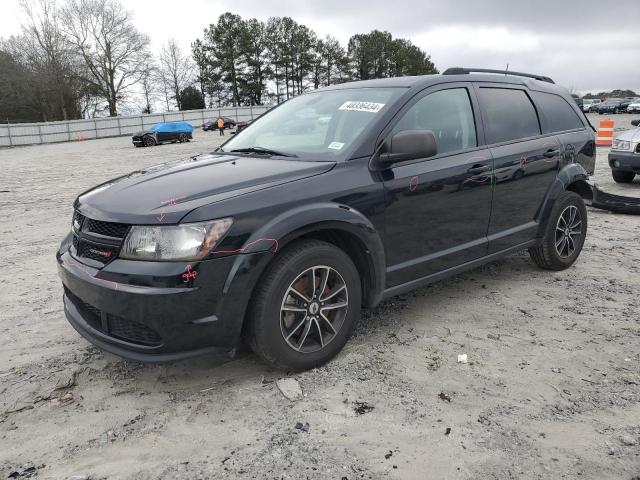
(621,176)
(547,255)
(149,141)
(278,319)
(183,137)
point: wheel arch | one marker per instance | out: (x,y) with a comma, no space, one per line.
(340,225)
(572,177)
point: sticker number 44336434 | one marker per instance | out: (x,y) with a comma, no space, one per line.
(372,107)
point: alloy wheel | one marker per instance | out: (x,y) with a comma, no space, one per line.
(313,309)
(568,231)
(149,142)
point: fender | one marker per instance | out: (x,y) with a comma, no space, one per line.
(290,225)
(566,176)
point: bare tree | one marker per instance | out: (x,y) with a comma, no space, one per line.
(176,70)
(43,49)
(113,50)
(149,85)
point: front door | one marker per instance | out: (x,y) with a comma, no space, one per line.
(438,208)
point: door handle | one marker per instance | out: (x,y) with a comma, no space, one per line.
(551,153)
(478,168)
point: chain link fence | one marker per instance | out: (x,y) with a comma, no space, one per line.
(77,130)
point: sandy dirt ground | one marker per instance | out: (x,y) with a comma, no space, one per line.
(551,389)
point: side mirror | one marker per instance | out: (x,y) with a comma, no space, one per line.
(410,145)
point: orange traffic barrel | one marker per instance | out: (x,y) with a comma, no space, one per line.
(605,133)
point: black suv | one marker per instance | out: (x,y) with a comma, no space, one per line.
(280,238)
(612,105)
(213,124)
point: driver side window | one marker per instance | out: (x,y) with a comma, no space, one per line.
(448,114)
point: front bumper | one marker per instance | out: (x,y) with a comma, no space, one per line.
(615,203)
(145,311)
(625,161)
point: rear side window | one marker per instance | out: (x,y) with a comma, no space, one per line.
(558,116)
(448,114)
(509,113)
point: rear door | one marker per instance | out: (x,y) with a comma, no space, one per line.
(525,163)
(438,207)
(560,118)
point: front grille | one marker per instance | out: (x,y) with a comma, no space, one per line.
(88,244)
(77,220)
(94,252)
(109,229)
(115,326)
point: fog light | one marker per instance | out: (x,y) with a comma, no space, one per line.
(616,163)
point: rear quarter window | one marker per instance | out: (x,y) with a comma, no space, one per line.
(557,114)
(509,114)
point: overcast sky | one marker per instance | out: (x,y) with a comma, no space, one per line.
(584,45)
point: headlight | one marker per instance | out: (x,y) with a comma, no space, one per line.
(189,241)
(621,145)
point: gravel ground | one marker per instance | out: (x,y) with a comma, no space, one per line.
(551,389)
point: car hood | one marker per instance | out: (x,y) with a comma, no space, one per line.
(166,193)
(142,133)
(632,135)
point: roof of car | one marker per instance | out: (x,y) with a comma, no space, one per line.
(423,81)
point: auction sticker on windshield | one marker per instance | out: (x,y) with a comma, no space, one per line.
(372,107)
(336,145)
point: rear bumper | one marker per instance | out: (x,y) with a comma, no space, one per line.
(624,161)
(145,312)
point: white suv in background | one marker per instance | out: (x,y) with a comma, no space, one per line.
(587,103)
(634,106)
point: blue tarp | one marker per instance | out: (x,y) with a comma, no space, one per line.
(172,127)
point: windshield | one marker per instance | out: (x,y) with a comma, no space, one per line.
(324,125)
(156,127)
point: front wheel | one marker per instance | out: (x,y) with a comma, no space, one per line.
(564,235)
(305,306)
(622,177)
(149,141)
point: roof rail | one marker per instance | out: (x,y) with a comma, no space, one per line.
(462,71)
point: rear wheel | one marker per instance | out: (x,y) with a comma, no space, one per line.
(564,235)
(622,177)
(305,306)
(183,137)
(149,141)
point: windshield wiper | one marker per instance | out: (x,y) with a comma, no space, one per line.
(262,150)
